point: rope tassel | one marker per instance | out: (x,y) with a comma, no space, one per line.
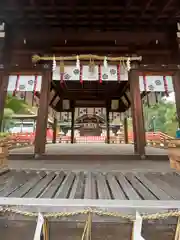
(45,232)
(177,234)
(137,228)
(87,229)
(54,64)
(42,230)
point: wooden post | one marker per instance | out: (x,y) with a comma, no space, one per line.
(3,93)
(72,123)
(137,113)
(176,83)
(107,123)
(134,129)
(5,57)
(54,130)
(126,130)
(42,118)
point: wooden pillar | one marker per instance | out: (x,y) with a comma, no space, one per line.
(107,123)
(126,130)
(42,118)
(176,84)
(5,59)
(134,130)
(4,78)
(54,130)
(137,113)
(72,123)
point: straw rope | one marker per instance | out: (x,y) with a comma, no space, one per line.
(102,213)
(89,57)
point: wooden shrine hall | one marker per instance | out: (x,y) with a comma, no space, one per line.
(77,54)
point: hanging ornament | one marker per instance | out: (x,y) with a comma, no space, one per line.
(128,64)
(105,62)
(91,65)
(100,74)
(54,64)
(77,62)
(16,85)
(119,72)
(61,66)
(165,86)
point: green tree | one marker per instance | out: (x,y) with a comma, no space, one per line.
(13,106)
(161,117)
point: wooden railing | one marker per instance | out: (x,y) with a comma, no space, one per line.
(14,141)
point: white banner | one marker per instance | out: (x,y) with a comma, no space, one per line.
(156,84)
(107,74)
(24,83)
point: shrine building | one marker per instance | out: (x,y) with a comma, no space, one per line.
(73,55)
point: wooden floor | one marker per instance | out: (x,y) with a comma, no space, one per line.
(83,185)
(71,190)
(91,149)
(86,151)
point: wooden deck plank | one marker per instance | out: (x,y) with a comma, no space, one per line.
(90,186)
(140,188)
(159,193)
(156,178)
(116,190)
(15,182)
(77,191)
(21,192)
(172,179)
(40,186)
(5,178)
(127,187)
(50,191)
(102,187)
(66,185)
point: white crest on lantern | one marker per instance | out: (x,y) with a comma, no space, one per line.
(54,64)
(128,64)
(178,26)
(77,62)
(105,62)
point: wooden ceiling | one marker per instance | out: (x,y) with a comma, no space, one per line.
(117,27)
(95,15)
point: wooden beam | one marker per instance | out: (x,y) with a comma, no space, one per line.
(126,130)
(42,118)
(72,121)
(107,122)
(176,83)
(137,113)
(54,130)
(56,34)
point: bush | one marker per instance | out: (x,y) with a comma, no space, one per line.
(3,134)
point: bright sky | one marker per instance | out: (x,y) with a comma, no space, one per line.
(171,97)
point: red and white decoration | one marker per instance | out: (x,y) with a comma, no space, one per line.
(21,83)
(109,73)
(156,84)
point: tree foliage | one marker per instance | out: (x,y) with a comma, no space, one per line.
(161,117)
(13,106)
